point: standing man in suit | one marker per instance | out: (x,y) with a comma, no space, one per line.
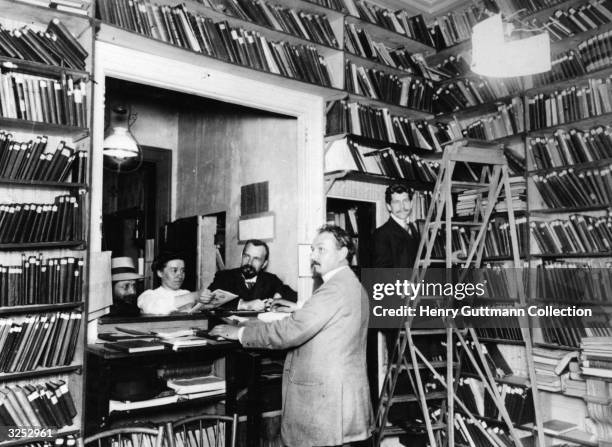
(326,397)
(395,243)
(248,286)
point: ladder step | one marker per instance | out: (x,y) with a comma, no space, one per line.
(403,332)
(403,398)
(395,430)
(463,186)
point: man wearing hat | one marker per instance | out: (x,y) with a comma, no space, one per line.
(124,276)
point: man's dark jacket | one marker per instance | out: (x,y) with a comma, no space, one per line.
(394,247)
(266,286)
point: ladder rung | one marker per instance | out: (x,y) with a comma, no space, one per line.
(395,430)
(477,186)
(402,398)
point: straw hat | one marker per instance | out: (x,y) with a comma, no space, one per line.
(123,269)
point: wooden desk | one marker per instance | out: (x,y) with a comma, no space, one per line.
(106,365)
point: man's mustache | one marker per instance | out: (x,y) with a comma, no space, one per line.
(313,263)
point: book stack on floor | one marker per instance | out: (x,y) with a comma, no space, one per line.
(178,26)
(596,356)
(34,160)
(37,404)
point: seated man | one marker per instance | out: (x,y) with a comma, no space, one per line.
(124,277)
(169,297)
(248,286)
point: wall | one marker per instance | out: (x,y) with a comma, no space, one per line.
(221,148)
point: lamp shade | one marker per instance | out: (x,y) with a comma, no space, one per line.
(492,56)
(120,148)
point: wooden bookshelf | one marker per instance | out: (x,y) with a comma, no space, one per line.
(40,68)
(125,38)
(376,179)
(564,83)
(15,10)
(453,50)
(390,38)
(421,152)
(578,209)
(591,164)
(394,109)
(43,184)
(475,111)
(375,65)
(35,308)
(42,245)
(573,41)
(599,120)
(42,372)
(606,254)
(38,127)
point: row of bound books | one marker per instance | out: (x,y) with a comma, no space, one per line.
(506,122)
(572,21)
(379,124)
(40,340)
(570,104)
(80,7)
(576,187)
(454,27)
(578,234)
(182,28)
(567,148)
(346,154)
(596,358)
(55,46)
(38,98)
(414,93)
(307,25)
(511,7)
(465,93)
(359,42)
(42,222)
(468,433)
(41,404)
(573,281)
(337,5)
(468,200)
(398,21)
(566,65)
(568,331)
(501,329)
(451,67)
(38,281)
(33,160)
(517,400)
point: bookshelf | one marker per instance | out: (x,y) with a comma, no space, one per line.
(47,360)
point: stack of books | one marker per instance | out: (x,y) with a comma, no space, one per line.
(581,187)
(56,46)
(464,93)
(347,155)
(41,404)
(44,99)
(550,364)
(570,104)
(59,221)
(567,148)
(38,281)
(190,385)
(33,160)
(596,356)
(41,340)
(306,25)
(178,26)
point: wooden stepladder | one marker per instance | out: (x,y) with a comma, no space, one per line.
(406,356)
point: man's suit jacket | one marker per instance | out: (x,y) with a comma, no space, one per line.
(326,397)
(394,247)
(266,286)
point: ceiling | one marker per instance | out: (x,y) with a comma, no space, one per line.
(429,8)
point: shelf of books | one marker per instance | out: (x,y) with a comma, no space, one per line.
(44,164)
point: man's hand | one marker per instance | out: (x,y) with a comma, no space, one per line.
(226,331)
(282,305)
(254,305)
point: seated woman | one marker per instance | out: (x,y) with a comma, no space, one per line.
(169,297)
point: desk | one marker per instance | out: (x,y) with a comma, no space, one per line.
(106,365)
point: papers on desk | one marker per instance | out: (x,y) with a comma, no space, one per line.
(116,405)
(185,342)
(192,385)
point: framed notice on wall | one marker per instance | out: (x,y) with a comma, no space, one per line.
(256,226)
